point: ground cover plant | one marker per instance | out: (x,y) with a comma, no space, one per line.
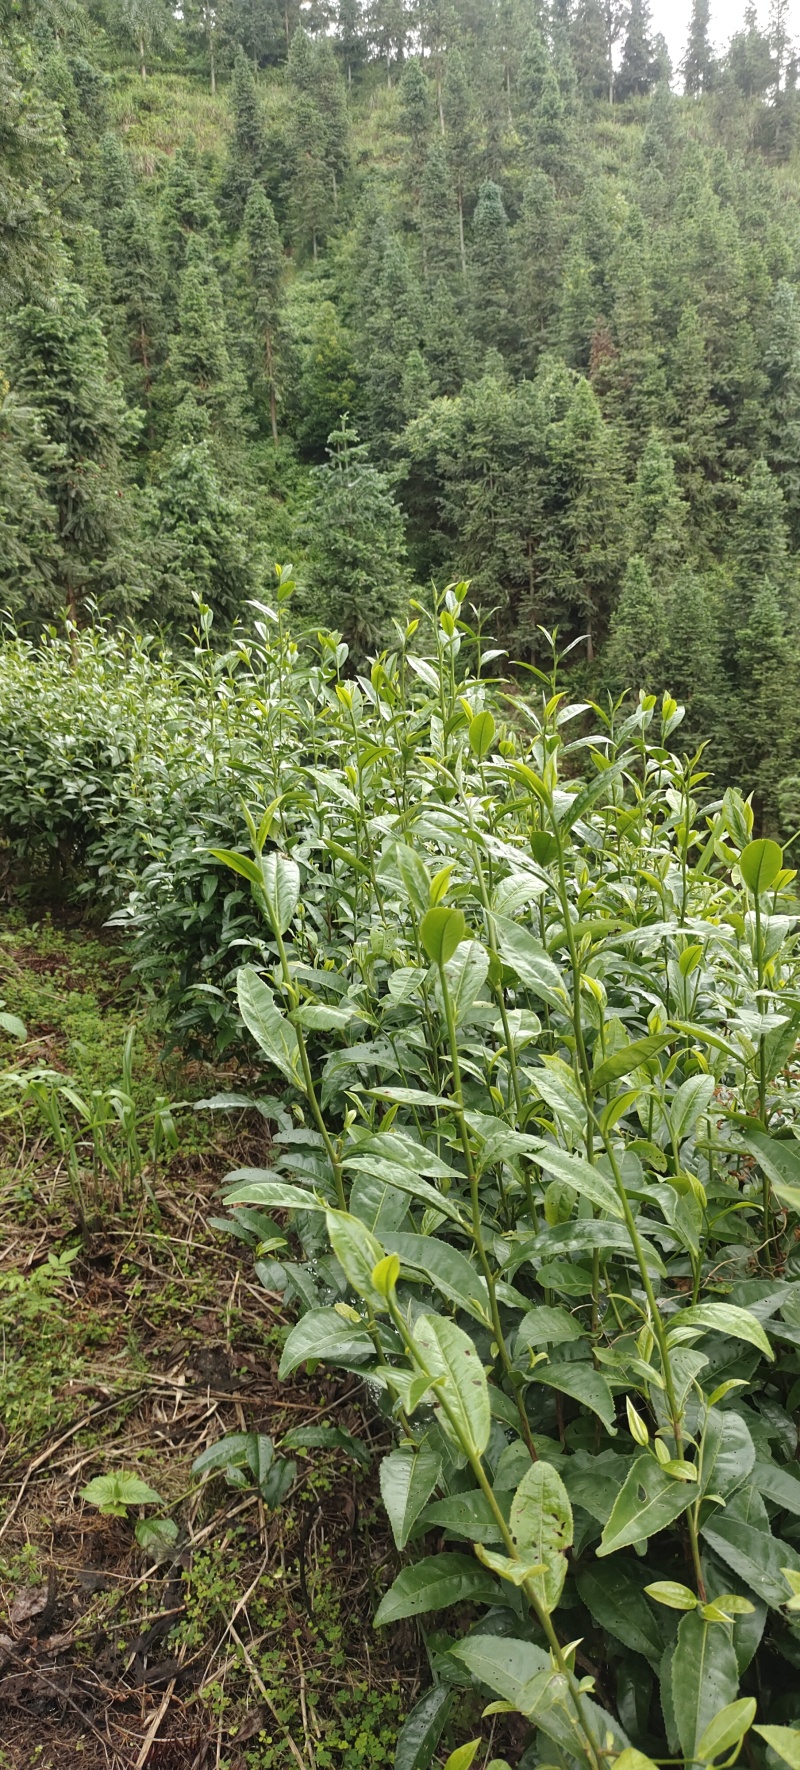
(204,1619)
(523,982)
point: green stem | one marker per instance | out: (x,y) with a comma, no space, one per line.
(475,1203)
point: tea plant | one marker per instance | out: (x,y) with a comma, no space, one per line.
(529,989)
(535,1016)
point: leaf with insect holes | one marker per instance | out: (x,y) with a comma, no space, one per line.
(647,1502)
(452,1360)
(541,1525)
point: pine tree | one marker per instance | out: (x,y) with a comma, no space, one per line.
(637,71)
(590,49)
(460,134)
(199,361)
(658,510)
(265,266)
(199,531)
(698,62)
(350,36)
(388,29)
(310,204)
(115,183)
(331,101)
(187,209)
(582,545)
(328,383)
(390,328)
(439,220)
(415,123)
(759,539)
(782,366)
(491,280)
(446,350)
(29,549)
(137,288)
(149,23)
(58,368)
(538,246)
(636,653)
(248,152)
(354,530)
(691,667)
(749,60)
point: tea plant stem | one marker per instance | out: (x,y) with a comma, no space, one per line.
(310,1091)
(476,1464)
(477,1229)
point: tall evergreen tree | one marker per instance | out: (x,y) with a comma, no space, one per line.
(415,123)
(354,528)
(459,126)
(538,244)
(248,152)
(200,363)
(636,653)
(637,70)
(698,62)
(58,368)
(310,204)
(782,365)
(265,266)
(491,278)
(441,249)
(137,288)
(658,511)
(187,209)
(199,530)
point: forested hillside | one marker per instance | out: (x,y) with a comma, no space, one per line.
(452,290)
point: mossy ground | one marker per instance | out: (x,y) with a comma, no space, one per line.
(132,1345)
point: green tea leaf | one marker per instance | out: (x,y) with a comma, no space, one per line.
(408,1478)
(647,1503)
(759,864)
(584,1384)
(270,1029)
(541,1525)
(705,1678)
(725,1318)
(323,1334)
(587,1180)
(434,1584)
(726,1729)
(629,1058)
(783,1740)
(452,1359)
(441,930)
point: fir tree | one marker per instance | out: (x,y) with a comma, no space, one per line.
(457,111)
(698,62)
(388,29)
(782,365)
(248,145)
(538,245)
(350,36)
(658,510)
(439,219)
(137,286)
(636,653)
(148,22)
(354,528)
(328,384)
(415,123)
(186,209)
(58,366)
(493,319)
(199,531)
(310,204)
(637,71)
(446,350)
(199,360)
(29,547)
(691,667)
(266,268)
(590,49)
(391,327)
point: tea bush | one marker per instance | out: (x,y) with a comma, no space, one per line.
(529,991)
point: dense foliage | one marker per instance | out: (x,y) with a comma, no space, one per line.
(527,993)
(556,300)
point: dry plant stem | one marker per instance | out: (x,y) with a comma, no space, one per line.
(477,1230)
(265,1696)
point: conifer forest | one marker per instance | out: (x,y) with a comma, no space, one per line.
(399,905)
